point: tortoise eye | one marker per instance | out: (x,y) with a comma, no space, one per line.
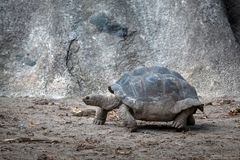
(110,89)
(87,97)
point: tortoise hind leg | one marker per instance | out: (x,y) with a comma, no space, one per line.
(101,115)
(128,119)
(190,120)
(181,119)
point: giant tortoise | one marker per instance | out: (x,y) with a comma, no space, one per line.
(150,94)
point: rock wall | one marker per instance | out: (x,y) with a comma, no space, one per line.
(233,13)
(74,47)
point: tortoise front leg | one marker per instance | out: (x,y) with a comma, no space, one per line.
(191,120)
(128,119)
(101,116)
(181,120)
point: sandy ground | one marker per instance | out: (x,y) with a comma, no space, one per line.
(44,129)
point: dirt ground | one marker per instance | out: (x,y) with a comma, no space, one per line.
(46,129)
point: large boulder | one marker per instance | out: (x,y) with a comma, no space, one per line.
(73,47)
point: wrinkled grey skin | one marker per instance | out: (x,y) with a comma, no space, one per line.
(149,94)
(105,104)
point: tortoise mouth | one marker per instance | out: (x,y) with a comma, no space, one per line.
(110,89)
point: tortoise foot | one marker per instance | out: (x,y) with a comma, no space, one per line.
(98,122)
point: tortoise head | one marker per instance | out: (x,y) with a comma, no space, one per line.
(93,99)
(107,102)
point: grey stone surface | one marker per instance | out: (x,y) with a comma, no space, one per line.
(75,47)
(233,12)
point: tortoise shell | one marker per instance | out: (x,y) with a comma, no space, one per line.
(149,84)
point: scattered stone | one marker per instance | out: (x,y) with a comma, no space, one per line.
(123,151)
(62,107)
(149,143)
(45,157)
(2,116)
(41,102)
(220,101)
(68,122)
(83,112)
(31,107)
(226,101)
(234,112)
(27,139)
(4,149)
(10,133)
(43,127)
(86,144)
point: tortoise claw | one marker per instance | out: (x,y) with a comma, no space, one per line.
(179,126)
(98,122)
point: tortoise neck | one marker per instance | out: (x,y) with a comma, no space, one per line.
(109,102)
